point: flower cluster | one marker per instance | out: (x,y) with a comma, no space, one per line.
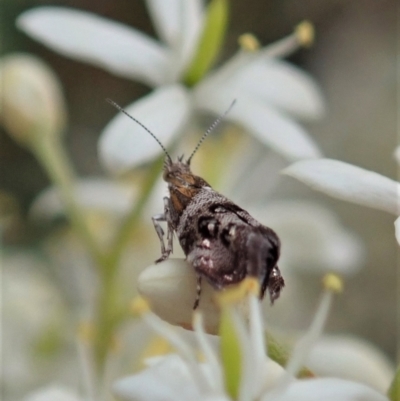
(268,89)
(228,330)
(237,367)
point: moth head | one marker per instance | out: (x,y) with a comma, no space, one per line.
(179,174)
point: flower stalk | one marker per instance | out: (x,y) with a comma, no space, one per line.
(394,390)
(51,154)
(125,233)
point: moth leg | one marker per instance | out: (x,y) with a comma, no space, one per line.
(198,292)
(160,232)
(170,230)
(165,251)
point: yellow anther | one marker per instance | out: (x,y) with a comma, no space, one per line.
(253,285)
(238,292)
(157,346)
(139,306)
(86,332)
(332,282)
(305,33)
(201,357)
(249,42)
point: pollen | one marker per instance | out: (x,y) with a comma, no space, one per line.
(86,332)
(237,293)
(305,33)
(332,282)
(157,346)
(248,42)
(139,306)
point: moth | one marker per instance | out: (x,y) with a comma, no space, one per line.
(222,242)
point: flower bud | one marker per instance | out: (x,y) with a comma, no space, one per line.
(32,104)
(170,289)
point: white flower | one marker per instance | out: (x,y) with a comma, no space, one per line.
(242,370)
(354,184)
(313,238)
(53,393)
(268,89)
(342,355)
(91,193)
(34,332)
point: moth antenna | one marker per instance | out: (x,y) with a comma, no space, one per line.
(210,129)
(117,106)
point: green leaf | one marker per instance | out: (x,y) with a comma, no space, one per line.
(231,354)
(394,389)
(210,42)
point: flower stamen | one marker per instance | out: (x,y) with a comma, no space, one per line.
(305,33)
(303,36)
(139,306)
(248,42)
(238,293)
(208,352)
(184,350)
(332,282)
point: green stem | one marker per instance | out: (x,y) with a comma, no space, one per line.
(105,324)
(125,233)
(54,159)
(109,315)
(394,389)
(52,156)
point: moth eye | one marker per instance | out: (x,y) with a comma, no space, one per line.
(208,227)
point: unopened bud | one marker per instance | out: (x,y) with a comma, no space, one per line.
(31,101)
(170,289)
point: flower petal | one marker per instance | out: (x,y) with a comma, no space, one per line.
(167,380)
(314,238)
(125,144)
(166,19)
(83,36)
(90,193)
(178,23)
(170,288)
(282,85)
(191,28)
(347,182)
(328,390)
(272,128)
(53,393)
(341,356)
